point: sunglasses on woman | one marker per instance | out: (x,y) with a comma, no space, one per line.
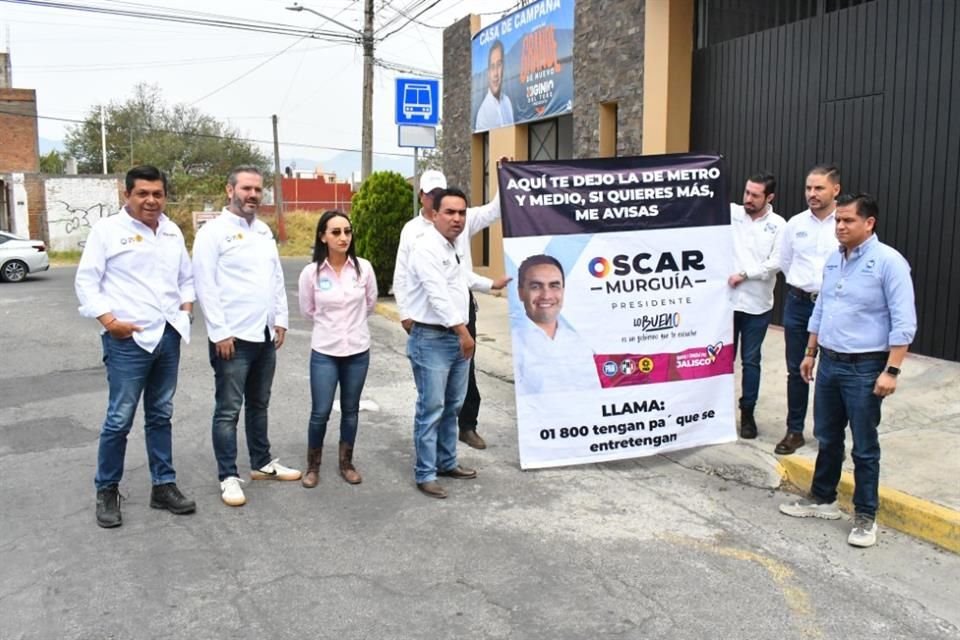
(337,232)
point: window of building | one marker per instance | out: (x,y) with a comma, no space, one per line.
(550,139)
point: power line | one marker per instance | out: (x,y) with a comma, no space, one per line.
(193,134)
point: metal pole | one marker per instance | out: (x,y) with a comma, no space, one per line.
(103,138)
(278,184)
(366,143)
(416,200)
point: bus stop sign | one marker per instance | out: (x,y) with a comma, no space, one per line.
(418,101)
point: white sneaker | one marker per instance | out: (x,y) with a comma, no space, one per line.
(805,508)
(231,493)
(275,471)
(864,532)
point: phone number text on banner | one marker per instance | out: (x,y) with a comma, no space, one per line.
(619,310)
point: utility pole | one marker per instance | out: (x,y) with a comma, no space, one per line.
(278,184)
(366,142)
(103,138)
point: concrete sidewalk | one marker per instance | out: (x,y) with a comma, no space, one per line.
(919,434)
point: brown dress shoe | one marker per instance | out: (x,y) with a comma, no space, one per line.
(459,473)
(312,477)
(790,443)
(472,439)
(347,470)
(431,489)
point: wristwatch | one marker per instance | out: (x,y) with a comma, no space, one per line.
(811,352)
(894,371)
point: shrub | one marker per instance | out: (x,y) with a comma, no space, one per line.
(380,209)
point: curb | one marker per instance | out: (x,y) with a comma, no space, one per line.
(387,311)
(898,510)
(916,517)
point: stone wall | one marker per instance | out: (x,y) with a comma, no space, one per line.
(457,126)
(608,67)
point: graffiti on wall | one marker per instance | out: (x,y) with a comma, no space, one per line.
(74,205)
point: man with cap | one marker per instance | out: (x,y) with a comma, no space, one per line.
(478,218)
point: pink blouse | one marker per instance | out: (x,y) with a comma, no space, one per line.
(339,306)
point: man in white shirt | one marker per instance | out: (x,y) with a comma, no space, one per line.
(478,218)
(551,356)
(439,346)
(135,278)
(808,240)
(756,258)
(239,282)
(496,109)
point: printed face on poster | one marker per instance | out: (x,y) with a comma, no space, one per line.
(522,67)
(619,307)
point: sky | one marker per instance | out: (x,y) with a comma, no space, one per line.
(78,59)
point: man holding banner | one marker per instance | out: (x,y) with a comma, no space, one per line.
(439,346)
(756,257)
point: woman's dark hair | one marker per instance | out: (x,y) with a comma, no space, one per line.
(320,250)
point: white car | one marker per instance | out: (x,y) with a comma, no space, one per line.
(19,256)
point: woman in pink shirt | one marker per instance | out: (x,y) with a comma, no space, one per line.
(338,291)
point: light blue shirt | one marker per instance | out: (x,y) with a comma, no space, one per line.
(866,301)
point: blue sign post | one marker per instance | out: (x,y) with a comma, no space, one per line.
(417,113)
(418,101)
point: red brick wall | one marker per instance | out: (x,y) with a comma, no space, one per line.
(18,131)
(36,206)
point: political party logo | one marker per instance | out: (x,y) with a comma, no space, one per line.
(627,367)
(610,368)
(713,350)
(645,365)
(599,267)
(131,239)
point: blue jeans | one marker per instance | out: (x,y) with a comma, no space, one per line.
(244,379)
(440,373)
(132,372)
(325,373)
(796,315)
(844,393)
(750,330)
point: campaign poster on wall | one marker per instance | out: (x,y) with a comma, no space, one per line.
(522,66)
(620,314)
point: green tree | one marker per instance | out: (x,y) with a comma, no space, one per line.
(52,162)
(195,150)
(380,209)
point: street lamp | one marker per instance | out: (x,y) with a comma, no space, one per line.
(365,38)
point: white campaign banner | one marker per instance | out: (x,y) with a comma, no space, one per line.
(621,324)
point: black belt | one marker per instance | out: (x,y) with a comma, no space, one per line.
(854,357)
(800,293)
(435,327)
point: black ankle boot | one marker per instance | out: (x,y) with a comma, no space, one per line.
(168,496)
(748,426)
(108,507)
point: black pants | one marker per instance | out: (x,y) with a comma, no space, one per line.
(471,404)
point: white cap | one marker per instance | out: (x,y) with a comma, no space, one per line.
(432,179)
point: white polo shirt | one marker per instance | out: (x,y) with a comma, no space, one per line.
(139,275)
(438,289)
(756,251)
(478,218)
(239,279)
(807,243)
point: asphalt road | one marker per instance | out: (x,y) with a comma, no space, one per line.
(634,549)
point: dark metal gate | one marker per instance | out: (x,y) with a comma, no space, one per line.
(874,88)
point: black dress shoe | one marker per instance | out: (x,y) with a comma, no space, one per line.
(459,473)
(790,443)
(168,496)
(431,489)
(108,507)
